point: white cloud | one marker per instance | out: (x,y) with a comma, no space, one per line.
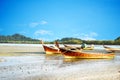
(35,24)
(44,35)
(43,32)
(93,34)
(23,32)
(87,36)
(43,22)
(44,39)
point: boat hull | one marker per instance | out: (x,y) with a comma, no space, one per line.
(51,50)
(78,54)
(88,48)
(109,49)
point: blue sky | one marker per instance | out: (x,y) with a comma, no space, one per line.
(56,19)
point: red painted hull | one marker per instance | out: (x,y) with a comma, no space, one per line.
(51,50)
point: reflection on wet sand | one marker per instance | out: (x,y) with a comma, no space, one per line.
(53,56)
(86,60)
(60,56)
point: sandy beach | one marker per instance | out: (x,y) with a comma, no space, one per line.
(21,48)
(29,62)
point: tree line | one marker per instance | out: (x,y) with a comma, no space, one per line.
(18,38)
(98,42)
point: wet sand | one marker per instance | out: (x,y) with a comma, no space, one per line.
(31,63)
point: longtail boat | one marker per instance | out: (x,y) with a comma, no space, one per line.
(110,49)
(71,47)
(85,55)
(88,48)
(79,48)
(50,49)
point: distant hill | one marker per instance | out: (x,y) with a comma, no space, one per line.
(118,38)
(98,42)
(15,37)
(69,40)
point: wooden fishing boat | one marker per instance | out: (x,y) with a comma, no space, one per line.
(51,49)
(88,48)
(79,48)
(78,54)
(71,47)
(109,49)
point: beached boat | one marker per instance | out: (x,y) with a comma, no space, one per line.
(78,54)
(51,49)
(110,49)
(79,48)
(88,48)
(72,47)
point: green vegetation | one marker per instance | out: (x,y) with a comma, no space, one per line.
(117,40)
(70,41)
(18,38)
(98,42)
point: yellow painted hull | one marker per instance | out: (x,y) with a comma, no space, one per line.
(79,54)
